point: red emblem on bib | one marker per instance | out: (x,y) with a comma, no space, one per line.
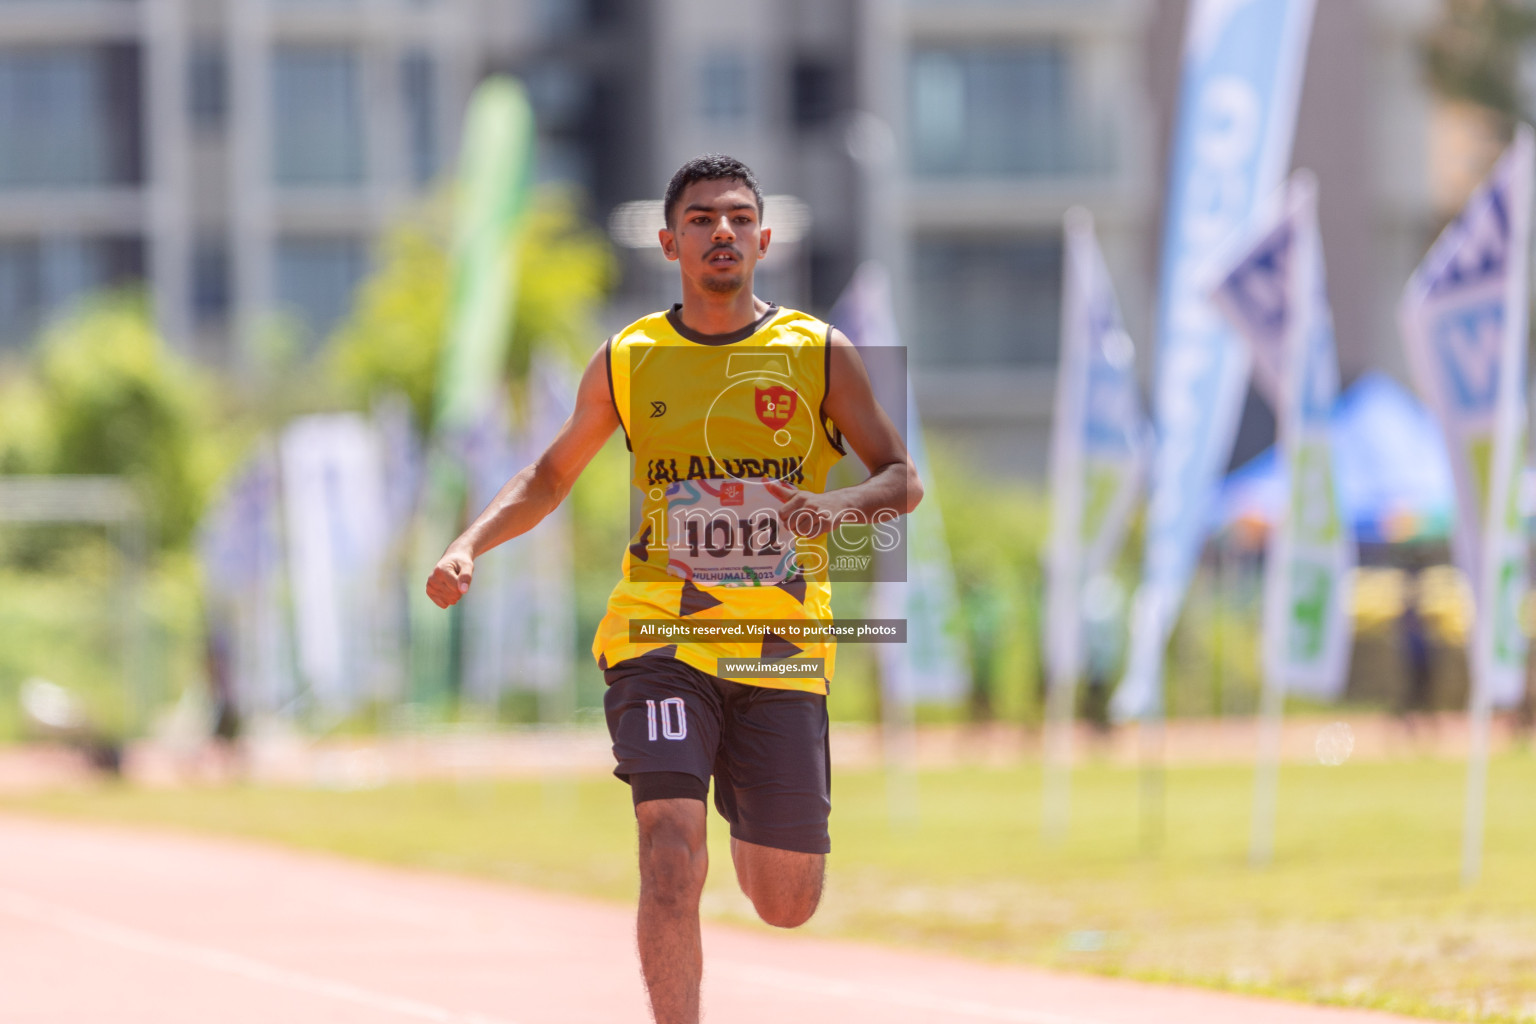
(733,493)
(775,405)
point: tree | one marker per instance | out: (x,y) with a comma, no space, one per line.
(1476,52)
(26,445)
(114,400)
(393,339)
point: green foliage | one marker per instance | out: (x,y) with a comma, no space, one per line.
(65,626)
(393,340)
(1214,657)
(1474,54)
(26,443)
(997,533)
(565,269)
(394,336)
(93,625)
(599,504)
(105,396)
(101,394)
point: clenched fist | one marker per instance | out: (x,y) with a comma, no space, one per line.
(451,578)
(807,514)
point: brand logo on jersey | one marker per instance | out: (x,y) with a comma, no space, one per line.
(775,405)
(658,409)
(733,493)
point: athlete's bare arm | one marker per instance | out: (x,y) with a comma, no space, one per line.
(892,488)
(535,492)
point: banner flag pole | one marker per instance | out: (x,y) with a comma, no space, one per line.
(1465,322)
(1274,291)
(932,666)
(1098,451)
(1240,86)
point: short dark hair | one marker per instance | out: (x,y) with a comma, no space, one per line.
(709,167)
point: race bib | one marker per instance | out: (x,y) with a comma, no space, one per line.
(727,533)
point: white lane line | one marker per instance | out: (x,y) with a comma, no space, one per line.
(810,984)
(84,925)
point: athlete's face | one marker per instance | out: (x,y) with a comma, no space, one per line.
(716,238)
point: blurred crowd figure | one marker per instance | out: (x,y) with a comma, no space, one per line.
(224,724)
(1418,700)
(1104,631)
(987,612)
(1416,703)
(986,619)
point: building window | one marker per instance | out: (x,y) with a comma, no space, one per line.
(20,292)
(210,281)
(559,19)
(69,117)
(987,302)
(418,82)
(316,279)
(43,278)
(996,112)
(815,92)
(317,117)
(723,82)
(560,96)
(207,87)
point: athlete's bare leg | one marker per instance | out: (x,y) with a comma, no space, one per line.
(784,886)
(673,863)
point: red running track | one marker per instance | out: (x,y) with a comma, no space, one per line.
(112,926)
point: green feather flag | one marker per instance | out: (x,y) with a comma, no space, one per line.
(494,186)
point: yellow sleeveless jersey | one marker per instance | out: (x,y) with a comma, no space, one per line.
(724,429)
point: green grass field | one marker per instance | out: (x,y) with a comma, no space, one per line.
(1362,905)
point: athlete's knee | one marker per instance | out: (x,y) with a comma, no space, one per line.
(785,889)
(787,908)
(673,857)
(672,872)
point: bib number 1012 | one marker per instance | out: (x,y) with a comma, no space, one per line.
(719,535)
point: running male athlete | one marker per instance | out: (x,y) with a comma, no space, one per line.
(735,410)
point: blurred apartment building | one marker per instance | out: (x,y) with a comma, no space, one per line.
(948,137)
(1086,119)
(238,154)
(242,155)
(945,138)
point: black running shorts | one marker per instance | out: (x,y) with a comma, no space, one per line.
(766,748)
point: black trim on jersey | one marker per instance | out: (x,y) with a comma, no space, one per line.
(613,396)
(827,426)
(675,319)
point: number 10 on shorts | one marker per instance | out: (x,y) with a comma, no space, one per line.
(674,719)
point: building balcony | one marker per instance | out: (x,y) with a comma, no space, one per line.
(73,211)
(50,22)
(1014,204)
